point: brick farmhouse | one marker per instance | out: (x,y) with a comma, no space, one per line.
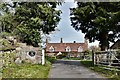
(56,48)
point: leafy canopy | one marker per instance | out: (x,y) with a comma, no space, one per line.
(27,19)
(98,20)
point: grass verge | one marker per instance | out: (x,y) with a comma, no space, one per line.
(26,70)
(87,63)
(111,74)
(71,58)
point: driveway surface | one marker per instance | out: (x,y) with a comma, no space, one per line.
(72,69)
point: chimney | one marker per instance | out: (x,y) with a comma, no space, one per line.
(74,41)
(46,41)
(61,40)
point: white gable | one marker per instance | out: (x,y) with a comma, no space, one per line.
(51,49)
(80,49)
(68,49)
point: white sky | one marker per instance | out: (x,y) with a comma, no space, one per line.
(67,32)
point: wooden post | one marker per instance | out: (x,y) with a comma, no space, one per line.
(43,57)
(93,56)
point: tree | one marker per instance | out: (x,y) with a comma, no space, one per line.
(98,20)
(29,18)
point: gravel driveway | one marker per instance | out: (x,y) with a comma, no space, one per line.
(72,69)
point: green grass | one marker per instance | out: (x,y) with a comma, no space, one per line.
(101,70)
(87,63)
(27,71)
(112,74)
(24,70)
(71,58)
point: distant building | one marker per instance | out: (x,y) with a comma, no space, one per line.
(116,45)
(66,47)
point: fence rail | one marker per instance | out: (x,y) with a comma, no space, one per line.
(107,58)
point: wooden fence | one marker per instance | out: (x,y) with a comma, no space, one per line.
(108,58)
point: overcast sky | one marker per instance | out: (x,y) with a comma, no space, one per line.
(67,32)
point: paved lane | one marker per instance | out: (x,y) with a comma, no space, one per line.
(71,69)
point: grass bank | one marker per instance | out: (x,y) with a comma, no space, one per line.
(27,71)
(112,74)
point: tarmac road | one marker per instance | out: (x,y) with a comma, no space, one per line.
(72,69)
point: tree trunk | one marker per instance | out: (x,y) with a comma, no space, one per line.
(104,43)
(103,47)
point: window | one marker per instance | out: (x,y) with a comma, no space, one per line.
(67,49)
(80,49)
(51,49)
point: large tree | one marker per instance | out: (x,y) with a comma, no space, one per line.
(29,18)
(98,20)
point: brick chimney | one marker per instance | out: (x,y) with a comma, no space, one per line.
(61,41)
(46,41)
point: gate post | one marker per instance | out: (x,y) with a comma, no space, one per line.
(43,57)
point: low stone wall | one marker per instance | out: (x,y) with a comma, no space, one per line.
(28,54)
(22,54)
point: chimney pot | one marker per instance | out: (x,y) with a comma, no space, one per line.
(74,42)
(61,40)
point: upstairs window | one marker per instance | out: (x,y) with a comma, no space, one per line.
(68,49)
(80,49)
(51,49)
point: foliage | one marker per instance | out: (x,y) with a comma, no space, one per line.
(98,20)
(6,45)
(26,20)
(27,71)
(71,58)
(8,58)
(87,63)
(23,70)
(107,73)
(50,59)
(63,55)
(4,34)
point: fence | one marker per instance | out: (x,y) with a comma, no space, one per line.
(108,58)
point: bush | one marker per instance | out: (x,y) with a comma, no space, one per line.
(51,59)
(87,63)
(61,56)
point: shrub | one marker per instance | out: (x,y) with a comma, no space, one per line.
(61,56)
(87,63)
(51,59)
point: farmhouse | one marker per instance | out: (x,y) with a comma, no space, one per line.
(57,48)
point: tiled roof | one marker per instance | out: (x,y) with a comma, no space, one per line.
(116,45)
(60,47)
